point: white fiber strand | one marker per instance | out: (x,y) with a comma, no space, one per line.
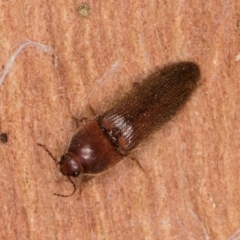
(21,46)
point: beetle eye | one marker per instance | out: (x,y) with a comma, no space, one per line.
(63,157)
(75,174)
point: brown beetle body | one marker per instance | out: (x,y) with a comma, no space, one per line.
(103,142)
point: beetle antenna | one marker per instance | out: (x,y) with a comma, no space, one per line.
(57,162)
(69,195)
(49,153)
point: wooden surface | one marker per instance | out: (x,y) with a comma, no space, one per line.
(191,187)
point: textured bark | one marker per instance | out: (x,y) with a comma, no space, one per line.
(190,185)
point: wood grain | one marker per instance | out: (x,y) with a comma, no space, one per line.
(190,189)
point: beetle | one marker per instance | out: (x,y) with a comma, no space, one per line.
(106,140)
